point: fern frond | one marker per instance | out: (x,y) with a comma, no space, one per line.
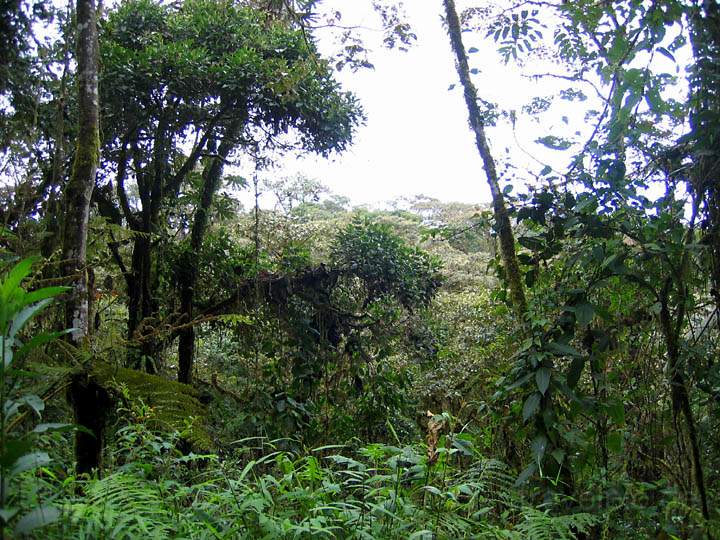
(124,505)
(539,525)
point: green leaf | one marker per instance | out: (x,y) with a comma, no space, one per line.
(614,442)
(473,50)
(533,243)
(433,490)
(19,272)
(526,474)
(6,514)
(584,313)
(42,428)
(586,205)
(618,48)
(12,406)
(6,348)
(522,380)
(531,406)
(29,462)
(553,142)
(531,277)
(14,449)
(39,517)
(25,315)
(42,294)
(561,349)
(666,53)
(538,445)
(39,340)
(34,402)
(542,379)
(616,412)
(574,372)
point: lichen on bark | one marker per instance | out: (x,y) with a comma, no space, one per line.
(82,178)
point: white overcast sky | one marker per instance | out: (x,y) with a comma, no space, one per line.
(417,139)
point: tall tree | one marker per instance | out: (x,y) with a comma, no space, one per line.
(77,195)
(82,180)
(214,78)
(704,151)
(502,219)
(703,139)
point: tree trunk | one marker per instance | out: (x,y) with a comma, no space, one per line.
(142,348)
(82,180)
(705,99)
(678,388)
(502,220)
(212,175)
(143,304)
(86,403)
(90,404)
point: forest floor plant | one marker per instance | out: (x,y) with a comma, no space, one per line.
(18,451)
(374,491)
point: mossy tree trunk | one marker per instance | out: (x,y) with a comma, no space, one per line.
(87,403)
(705,151)
(82,180)
(502,220)
(143,303)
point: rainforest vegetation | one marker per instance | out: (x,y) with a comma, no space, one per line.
(176,364)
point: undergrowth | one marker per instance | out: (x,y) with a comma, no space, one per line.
(370,492)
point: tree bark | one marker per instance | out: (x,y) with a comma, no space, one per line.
(212,175)
(82,180)
(52,212)
(672,325)
(502,220)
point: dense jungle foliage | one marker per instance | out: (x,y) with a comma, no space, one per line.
(176,365)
